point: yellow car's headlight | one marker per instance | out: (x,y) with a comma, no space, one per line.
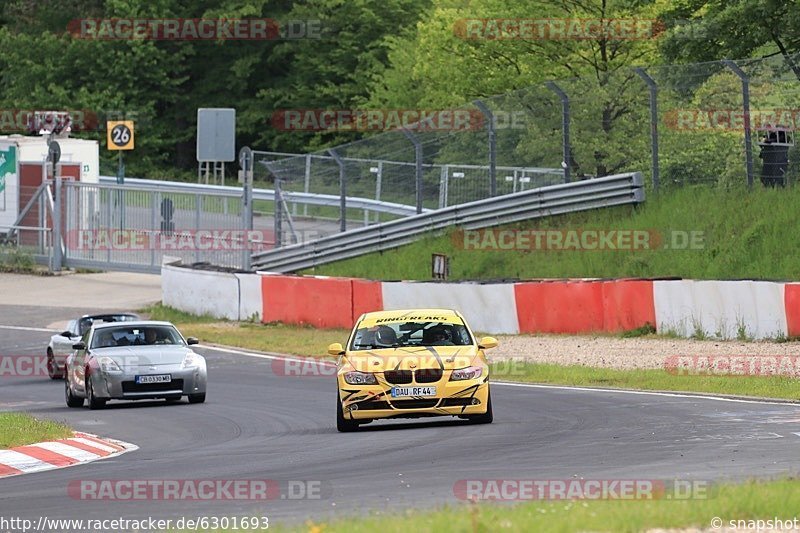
(471,372)
(360,378)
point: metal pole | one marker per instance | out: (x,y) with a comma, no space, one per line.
(748,152)
(278,213)
(490,128)
(564,127)
(378,187)
(57,257)
(307,182)
(417,167)
(342,191)
(247,214)
(653,87)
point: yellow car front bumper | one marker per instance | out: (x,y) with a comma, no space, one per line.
(453,398)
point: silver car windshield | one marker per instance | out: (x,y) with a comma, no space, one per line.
(136,336)
(394,334)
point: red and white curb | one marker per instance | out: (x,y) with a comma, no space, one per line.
(80,449)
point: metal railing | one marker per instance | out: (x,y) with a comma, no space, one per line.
(609,191)
(366,204)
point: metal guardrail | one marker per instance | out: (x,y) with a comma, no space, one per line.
(264,194)
(608,191)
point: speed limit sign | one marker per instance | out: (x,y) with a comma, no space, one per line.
(120,134)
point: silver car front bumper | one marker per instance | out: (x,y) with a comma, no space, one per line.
(123,386)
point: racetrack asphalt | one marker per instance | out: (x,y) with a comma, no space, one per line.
(257,424)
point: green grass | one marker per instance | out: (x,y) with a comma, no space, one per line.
(752,500)
(646,379)
(281,338)
(746,235)
(18,429)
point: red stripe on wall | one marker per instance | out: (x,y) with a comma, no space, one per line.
(321,302)
(628,304)
(791,302)
(367,296)
(584,306)
(559,306)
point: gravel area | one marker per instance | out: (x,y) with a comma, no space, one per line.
(616,352)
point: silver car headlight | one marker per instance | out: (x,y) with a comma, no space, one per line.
(360,378)
(471,372)
(191,360)
(108,365)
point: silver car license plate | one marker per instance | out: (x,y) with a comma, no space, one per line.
(160,378)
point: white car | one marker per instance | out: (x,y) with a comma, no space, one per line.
(60,346)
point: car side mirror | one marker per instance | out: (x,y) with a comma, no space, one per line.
(335,349)
(79,346)
(192,340)
(487,342)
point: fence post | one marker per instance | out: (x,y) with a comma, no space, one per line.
(307,182)
(564,127)
(278,213)
(418,166)
(342,191)
(653,87)
(57,256)
(748,151)
(246,162)
(490,128)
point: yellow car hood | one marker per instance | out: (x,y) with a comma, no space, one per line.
(410,358)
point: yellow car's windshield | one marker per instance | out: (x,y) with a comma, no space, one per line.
(378,334)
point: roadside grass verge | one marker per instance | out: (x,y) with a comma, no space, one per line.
(779,387)
(18,429)
(282,338)
(743,237)
(752,500)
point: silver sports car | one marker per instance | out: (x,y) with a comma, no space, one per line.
(61,345)
(134,361)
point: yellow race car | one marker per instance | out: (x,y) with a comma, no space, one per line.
(409,364)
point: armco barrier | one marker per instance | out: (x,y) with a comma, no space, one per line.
(722,309)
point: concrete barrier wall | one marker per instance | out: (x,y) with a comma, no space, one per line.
(489,308)
(720,309)
(219,294)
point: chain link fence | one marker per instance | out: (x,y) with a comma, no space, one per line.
(726,123)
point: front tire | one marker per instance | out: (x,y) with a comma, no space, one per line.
(342,424)
(94,402)
(485,418)
(197,398)
(51,366)
(72,400)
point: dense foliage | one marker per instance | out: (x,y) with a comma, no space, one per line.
(370,53)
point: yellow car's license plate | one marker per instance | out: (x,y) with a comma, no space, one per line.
(406,392)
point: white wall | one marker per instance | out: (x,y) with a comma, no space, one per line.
(720,308)
(489,308)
